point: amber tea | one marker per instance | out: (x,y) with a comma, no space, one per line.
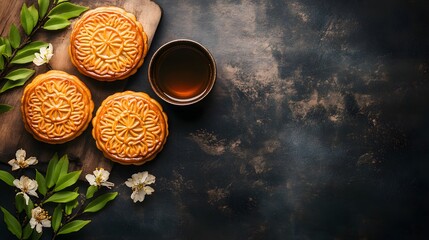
(182,73)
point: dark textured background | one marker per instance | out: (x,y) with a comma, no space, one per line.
(315,129)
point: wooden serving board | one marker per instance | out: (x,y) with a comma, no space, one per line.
(82,151)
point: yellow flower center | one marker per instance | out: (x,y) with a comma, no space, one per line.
(42,215)
(138,187)
(22,163)
(99,178)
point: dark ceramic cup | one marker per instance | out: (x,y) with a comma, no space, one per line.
(182,72)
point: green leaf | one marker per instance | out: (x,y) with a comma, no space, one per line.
(1,62)
(67,10)
(17,78)
(14,37)
(26,19)
(34,14)
(50,171)
(43,7)
(64,163)
(5,48)
(73,226)
(68,209)
(61,1)
(4,108)
(28,208)
(12,223)
(90,191)
(33,46)
(19,74)
(36,235)
(42,183)
(8,50)
(62,197)
(2,48)
(57,217)
(26,54)
(61,169)
(27,231)
(101,201)
(20,203)
(5,176)
(67,180)
(12,84)
(56,23)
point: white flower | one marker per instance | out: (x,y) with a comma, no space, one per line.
(27,186)
(39,219)
(44,56)
(99,178)
(138,183)
(20,161)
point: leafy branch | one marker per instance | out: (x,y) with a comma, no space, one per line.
(54,196)
(17,50)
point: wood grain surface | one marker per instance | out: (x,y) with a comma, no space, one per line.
(82,151)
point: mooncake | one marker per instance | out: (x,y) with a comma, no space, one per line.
(56,107)
(108,44)
(130,128)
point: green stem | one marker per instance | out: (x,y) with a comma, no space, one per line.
(47,195)
(77,213)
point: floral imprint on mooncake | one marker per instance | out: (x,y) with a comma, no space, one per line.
(56,107)
(130,128)
(107,44)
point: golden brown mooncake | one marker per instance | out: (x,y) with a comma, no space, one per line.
(108,44)
(56,107)
(130,128)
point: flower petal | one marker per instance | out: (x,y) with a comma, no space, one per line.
(38,227)
(142,176)
(48,57)
(32,161)
(43,51)
(91,179)
(33,222)
(129,182)
(14,164)
(50,48)
(17,183)
(26,197)
(15,167)
(148,190)
(150,179)
(20,154)
(33,193)
(140,196)
(133,196)
(108,184)
(32,185)
(104,174)
(46,223)
(38,61)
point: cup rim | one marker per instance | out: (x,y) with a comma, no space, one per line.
(191,43)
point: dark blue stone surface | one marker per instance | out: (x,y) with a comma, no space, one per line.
(317,127)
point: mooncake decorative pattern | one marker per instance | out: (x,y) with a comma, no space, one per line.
(108,44)
(56,107)
(130,128)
